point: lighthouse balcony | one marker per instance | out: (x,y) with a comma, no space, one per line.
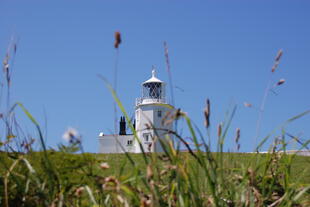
(140,101)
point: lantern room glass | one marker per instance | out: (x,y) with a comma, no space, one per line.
(152,90)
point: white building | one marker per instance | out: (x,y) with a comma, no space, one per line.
(150,110)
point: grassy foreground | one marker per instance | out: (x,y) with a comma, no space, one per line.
(153,179)
(300,164)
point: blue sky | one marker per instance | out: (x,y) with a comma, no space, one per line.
(222,50)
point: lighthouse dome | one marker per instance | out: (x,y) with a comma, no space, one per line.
(153,79)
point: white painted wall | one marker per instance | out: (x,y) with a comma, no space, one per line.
(115,143)
(147,114)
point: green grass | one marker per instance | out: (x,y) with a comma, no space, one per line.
(300,164)
(76,170)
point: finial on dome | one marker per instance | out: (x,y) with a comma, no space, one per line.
(153,71)
(153,79)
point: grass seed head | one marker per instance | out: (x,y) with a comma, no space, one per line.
(274,67)
(164,158)
(145,201)
(170,117)
(279,55)
(104,165)
(165,118)
(149,146)
(110,179)
(118,40)
(72,135)
(219,130)
(207,113)
(237,138)
(163,172)
(179,114)
(149,172)
(237,135)
(246,104)
(120,199)
(277,61)
(79,191)
(148,126)
(171,167)
(281,81)
(5,65)
(111,183)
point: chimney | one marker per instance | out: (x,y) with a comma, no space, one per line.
(122,126)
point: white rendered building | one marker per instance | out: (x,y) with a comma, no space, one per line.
(150,110)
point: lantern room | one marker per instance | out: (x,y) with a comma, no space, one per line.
(153,91)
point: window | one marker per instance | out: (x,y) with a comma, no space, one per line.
(129,142)
(147,137)
(159,113)
(152,90)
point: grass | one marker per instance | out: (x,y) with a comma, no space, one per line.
(300,173)
(135,183)
(62,177)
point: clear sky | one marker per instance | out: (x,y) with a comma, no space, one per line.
(222,50)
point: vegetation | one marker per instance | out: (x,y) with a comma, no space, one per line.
(197,177)
(172,179)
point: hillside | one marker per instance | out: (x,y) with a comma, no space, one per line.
(36,179)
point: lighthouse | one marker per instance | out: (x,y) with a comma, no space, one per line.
(151,110)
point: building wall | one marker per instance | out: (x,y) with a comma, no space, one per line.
(161,132)
(144,115)
(152,115)
(115,143)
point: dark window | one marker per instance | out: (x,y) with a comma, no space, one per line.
(129,142)
(159,113)
(147,137)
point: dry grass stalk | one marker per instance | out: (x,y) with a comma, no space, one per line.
(169,71)
(268,89)
(8,61)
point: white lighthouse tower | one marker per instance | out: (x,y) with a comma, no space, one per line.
(150,110)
